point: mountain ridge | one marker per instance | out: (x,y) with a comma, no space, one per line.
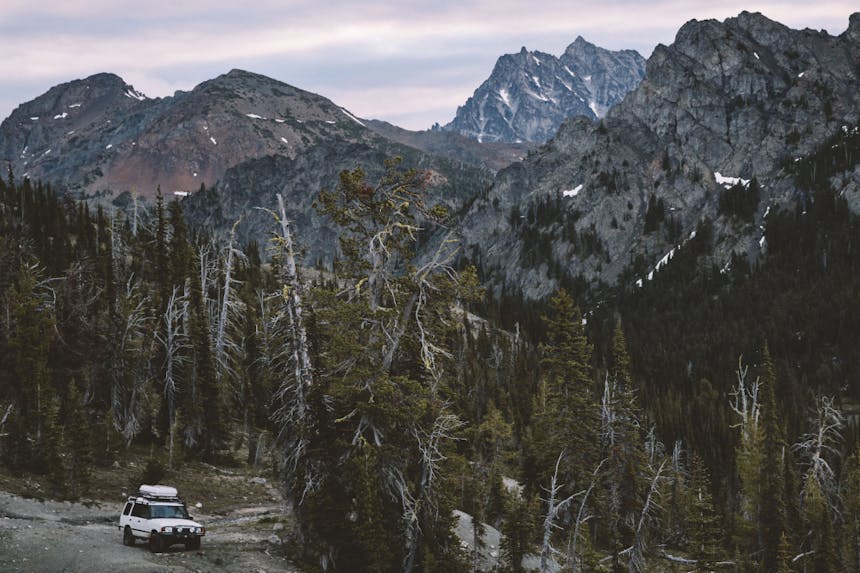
(727,101)
(122,139)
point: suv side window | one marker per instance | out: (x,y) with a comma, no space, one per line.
(140,510)
(127,509)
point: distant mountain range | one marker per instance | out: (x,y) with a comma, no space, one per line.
(529,94)
(242,136)
(100,133)
(726,103)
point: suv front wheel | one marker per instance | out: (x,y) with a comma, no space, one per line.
(127,536)
(156,543)
(193,544)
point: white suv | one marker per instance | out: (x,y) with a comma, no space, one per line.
(158,515)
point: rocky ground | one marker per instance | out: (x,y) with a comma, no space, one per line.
(69,537)
(247,528)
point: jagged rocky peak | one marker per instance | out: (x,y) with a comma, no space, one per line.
(530,93)
(608,75)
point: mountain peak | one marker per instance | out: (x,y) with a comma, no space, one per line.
(582,42)
(854,25)
(529,94)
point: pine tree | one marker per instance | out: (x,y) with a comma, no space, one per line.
(827,556)
(704,532)
(518,529)
(50,448)
(818,520)
(373,544)
(78,438)
(30,340)
(567,420)
(851,530)
(161,274)
(772,511)
(622,446)
(180,263)
(213,422)
(490,441)
(784,555)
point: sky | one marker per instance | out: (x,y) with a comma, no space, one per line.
(408,62)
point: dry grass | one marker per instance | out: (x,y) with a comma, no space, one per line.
(219,489)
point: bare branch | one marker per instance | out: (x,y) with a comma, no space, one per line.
(823,440)
(640,547)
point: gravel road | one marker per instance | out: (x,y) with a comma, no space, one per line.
(50,536)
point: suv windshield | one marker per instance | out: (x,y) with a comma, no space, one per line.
(168,511)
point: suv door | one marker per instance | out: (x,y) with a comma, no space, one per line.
(138,520)
(124,516)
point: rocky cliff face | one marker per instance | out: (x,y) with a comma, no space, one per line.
(726,102)
(529,94)
(256,182)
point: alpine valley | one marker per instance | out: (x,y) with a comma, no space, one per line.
(605,319)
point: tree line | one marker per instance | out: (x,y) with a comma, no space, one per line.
(385,402)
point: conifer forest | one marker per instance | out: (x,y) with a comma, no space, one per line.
(705,420)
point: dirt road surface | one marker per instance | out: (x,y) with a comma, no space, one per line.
(55,537)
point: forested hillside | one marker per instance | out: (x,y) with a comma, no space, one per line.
(700,420)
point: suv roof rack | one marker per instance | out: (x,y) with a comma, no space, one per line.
(158,493)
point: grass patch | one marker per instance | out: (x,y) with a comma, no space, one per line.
(219,489)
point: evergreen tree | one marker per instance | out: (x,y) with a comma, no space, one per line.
(623,446)
(78,438)
(50,447)
(851,529)
(518,529)
(180,264)
(30,341)
(704,532)
(161,274)
(567,417)
(784,555)
(374,551)
(771,518)
(213,422)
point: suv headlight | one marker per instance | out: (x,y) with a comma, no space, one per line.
(167,530)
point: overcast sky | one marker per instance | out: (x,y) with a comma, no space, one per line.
(408,62)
